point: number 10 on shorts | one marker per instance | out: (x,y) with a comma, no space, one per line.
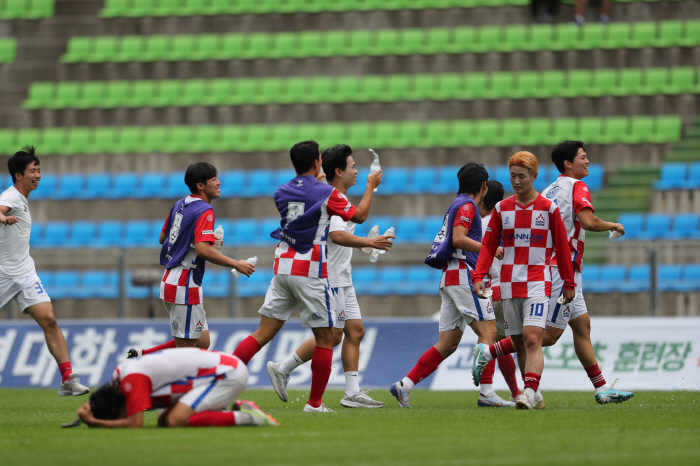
(536,309)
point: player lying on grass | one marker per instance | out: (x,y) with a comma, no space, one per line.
(18,279)
(531,228)
(188,244)
(455,251)
(193,386)
(572,197)
(339,167)
(305,206)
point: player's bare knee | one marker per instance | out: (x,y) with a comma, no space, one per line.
(48,322)
(337,338)
(356,335)
(173,420)
(532,341)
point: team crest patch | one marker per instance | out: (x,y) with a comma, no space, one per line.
(175,325)
(489,308)
(294,210)
(210,218)
(566,313)
(505,324)
(198,327)
(540,221)
(507,220)
(316,316)
(341,316)
(553,192)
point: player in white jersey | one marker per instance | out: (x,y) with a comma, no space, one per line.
(339,166)
(18,279)
(193,386)
(574,201)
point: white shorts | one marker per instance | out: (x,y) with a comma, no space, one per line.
(187,320)
(217,394)
(523,312)
(560,314)
(311,295)
(460,306)
(26,292)
(346,305)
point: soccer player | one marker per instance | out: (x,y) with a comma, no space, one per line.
(455,251)
(339,166)
(492,282)
(194,387)
(18,279)
(531,229)
(189,231)
(300,270)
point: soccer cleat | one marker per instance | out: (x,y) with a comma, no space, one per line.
(278,379)
(401,395)
(260,418)
(515,398)
(493,401)
(73,387)
(134,353)
(524,402)
(360,399)
(539,404)
(611,395)
(479,362)
(321,409)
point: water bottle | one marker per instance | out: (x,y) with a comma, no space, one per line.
(218,237)
(373,233)
(376,252)
(325,180)
(375,167)
(250,260)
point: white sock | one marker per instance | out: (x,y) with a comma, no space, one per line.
(602,389)
(407,383)
(538,394)
(529,393)
(292,362)
(486,390)
(352,385)
(487,354)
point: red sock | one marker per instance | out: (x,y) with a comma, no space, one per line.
(595,375)
(320,373)
(532,380)
(507,367)
(247,349)
(501,348)
(213,419)
(487,374)
(166,345)
(426,365)
(66,370)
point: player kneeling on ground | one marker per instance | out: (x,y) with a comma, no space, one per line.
(194,387)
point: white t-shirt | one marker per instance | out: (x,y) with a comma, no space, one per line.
(15,261)
(339,257)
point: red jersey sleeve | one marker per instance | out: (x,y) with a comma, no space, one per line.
(464,217)
(340,206)
(561,248)
(204,228)
(581,197)
(165,225)
(489,245)
(137,389)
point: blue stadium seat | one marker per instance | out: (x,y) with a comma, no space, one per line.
(48,279)
(590,276)
(138,234)
(691,277)
(542,180)
(125,185)
(406,230)
(361,184)
(216,283)
(36,237)
(154,229)
(100,284)
(423,279)
(97,186)
(70,186)
(55,234)
(633,223)
(424,181)
(594,180)
(259,183)
(394,181)
(47,187)
(673,176)
(267,226)
(384,222)
(669,277)
(693,176)
(639,279)
(136,292)
(685,226)
(82,234)
(657,226)
(612,278)
(283,176)
(65,284)
(175,187)
(109,234)
(245,232)
(390,281)
(364,278)
(447,182)
(150,187)
(231,183)
(429,228)
(255,285)
(503,177)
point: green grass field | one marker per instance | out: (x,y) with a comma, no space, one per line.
(443,428)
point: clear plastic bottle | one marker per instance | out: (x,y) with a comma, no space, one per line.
(376,252)
(375,167)
(373,233)
(250,260)
(218,237)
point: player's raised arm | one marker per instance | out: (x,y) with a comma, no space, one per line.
(363,207)
(561,248)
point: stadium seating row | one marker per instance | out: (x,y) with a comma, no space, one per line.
(8,50)
(368,280)
(26,9)
(382,42)
(639,226)
(679,176)
(468,86)
(255,183)
(378,134)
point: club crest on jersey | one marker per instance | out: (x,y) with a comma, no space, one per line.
(198,327)
(489,308)
(294,210)
(540,221)
(175,325)
(566,313)
(553,192)
(341,316)
(316,316)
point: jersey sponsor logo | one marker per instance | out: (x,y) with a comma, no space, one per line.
(566,312)
(316,315)
(294,210)
(341,316)
(198,327)
(466,219)
(300,182)
(553,192)
(505,324)
(529,379)
(540,221)
(207,232)
(489,308)
(526,237)
(175,229)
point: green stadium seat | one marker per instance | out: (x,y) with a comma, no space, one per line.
(615,130)
(527,84)
(618,36)
(464,39)
(656,81)
(41,95)
(691,37)
(360,43)
(411,134)
(630,82)
(604,82)
(668,129)
(169,8)
(180,139)
(359,134)
(206,47)
(79,141)
(183,47)
(143,93)
(489,38)
(591,130)
(130,139)
(641,129)
(425,87)
(462,133)
(514,132)
(283,135)
(385,134)
(117,94)
(195,90)
(567,37)
(104,49)
(475,86)
(335,43)
(168,93)
(486,133)
(104,140)
(13,9)
(219,92)
(271,90)
(436,134)
(231,137)
(40,9)
(683,79)
(130,49)
(565,129)
(114,8)
(386,42)
(592,36)
(670,33)
(66,95)
(411,41)
(8,50)
(516,37)
(284,44)
(28,137)
(372,88)
(323,89)
(140,8)
(438,40)
(53,141)
(7,141)
(541,38)
(231,47)
(501,85)
(334,133)
(449,86)
(309,44)
(191,7)
(579,83)
(398,87)
(92,95)
(156,48)
(643,34)
(207,138)
(552,84)
(79,49)
(348,89)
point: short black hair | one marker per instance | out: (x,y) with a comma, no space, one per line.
(107,402)
(335,157)
(303,155)
(19,161)
(199,172)
(494,195)
(471,176)
(563,151)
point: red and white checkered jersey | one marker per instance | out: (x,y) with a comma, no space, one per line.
(177,285)
(159,379)
(529,234)
(456,271)
(571,196)
(492,281)
(313,263)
